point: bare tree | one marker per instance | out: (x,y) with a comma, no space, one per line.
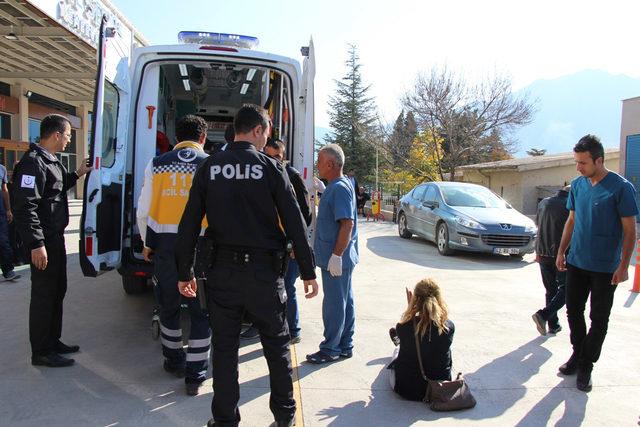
(473,119)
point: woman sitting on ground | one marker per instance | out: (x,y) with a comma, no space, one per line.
(427,317)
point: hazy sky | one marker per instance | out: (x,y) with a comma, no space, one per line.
(528,40)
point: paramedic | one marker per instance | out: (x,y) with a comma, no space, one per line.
(167,179)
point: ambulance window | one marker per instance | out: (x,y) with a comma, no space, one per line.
(109,119)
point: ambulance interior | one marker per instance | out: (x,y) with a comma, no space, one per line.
(215,91)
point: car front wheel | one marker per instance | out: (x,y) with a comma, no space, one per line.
(442,239)
(403,231)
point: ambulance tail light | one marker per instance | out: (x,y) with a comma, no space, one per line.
(218,40)
(88,246)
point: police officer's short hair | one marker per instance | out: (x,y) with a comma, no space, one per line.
(190,128)
(591,144)
(250,116)
(51,124)
(335,151)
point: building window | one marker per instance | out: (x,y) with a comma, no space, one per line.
(34,130)
(5,89)
(5,126)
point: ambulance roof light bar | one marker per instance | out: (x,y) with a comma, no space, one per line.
(218,39)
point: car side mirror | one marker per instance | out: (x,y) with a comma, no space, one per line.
(430,204)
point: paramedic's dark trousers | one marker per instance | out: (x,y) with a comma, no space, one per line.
(581,283)
(169,299)
(255,287)
(48,288)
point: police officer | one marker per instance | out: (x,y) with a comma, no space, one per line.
(251,212)
(164,195)
(41,213)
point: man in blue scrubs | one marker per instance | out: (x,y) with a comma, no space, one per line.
(336,251)
(601,231)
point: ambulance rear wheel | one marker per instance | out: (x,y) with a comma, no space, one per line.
(134,285)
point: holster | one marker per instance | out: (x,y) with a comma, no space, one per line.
(205,257)
(280,261)
(201,292)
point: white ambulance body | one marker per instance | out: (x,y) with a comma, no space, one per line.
(143,93)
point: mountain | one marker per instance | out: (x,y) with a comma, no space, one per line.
(571,106)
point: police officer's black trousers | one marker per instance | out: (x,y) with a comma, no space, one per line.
(255,287)
(48,288)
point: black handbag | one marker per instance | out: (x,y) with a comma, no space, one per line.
(444,395)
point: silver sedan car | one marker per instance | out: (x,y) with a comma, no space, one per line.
(466,217)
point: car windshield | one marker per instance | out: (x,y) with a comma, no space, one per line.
(474,197)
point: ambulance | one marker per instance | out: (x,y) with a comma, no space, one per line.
(142,91)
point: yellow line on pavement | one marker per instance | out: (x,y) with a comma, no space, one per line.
(296,387)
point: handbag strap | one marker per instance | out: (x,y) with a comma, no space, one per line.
(415,335)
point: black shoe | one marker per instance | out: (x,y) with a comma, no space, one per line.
(250,333)
(11,276)
(193,389)
(177,370)
(571,366)
(285,423)
(555,330)
(212,423)
(583,381)
(541,324)
(295,340)
(393,334)
(52,360)
(62,348)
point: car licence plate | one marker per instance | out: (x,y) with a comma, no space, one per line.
(506,251)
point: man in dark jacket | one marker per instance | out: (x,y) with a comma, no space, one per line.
(550,218)
(41,213)
(276,149)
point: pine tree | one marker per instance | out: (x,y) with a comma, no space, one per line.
(352,116)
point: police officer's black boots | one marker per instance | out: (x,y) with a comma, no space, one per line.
(52,360)
(62,348)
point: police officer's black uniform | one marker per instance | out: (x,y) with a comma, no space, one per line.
(247,199)
(41,213)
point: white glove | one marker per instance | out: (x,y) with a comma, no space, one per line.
(335,265)
(318,185)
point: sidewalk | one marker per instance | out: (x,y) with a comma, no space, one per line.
(118,377)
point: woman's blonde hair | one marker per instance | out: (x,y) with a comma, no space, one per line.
(429,306)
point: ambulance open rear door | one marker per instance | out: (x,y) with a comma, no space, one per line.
(308,129)
(101,223)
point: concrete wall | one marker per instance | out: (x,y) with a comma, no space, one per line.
(520,188)
(630,125)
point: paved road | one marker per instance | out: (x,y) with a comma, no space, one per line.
(118,378)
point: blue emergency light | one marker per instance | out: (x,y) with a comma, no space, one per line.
(218,39)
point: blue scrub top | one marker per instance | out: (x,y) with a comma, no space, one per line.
(338,202)
(596,243)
